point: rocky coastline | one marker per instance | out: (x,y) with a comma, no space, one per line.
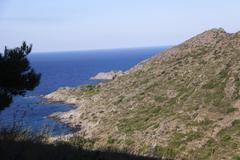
(181,103)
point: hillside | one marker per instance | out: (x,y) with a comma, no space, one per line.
(183,103)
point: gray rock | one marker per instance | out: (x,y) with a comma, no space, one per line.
(107,75)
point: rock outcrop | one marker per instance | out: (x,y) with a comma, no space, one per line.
(108,75)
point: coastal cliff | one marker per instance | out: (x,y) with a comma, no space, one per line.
(183,103)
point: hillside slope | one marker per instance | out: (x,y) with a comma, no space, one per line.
(183,103)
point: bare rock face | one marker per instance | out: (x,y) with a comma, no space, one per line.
(182,104)
(107,75)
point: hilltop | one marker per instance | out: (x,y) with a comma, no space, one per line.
(183,103)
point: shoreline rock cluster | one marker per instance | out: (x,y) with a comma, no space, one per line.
(107,75)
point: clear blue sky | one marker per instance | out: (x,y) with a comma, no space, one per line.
(59,25)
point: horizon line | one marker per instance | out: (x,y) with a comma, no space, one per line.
(99,49)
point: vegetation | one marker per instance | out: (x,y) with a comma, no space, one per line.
(23,145)
(87,89)
(16,75)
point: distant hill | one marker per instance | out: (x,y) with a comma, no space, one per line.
(183,103)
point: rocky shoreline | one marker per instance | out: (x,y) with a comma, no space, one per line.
(80,99)
(108,75)
(61,95)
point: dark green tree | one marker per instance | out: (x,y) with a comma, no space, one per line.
(16,75)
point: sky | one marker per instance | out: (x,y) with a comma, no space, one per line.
(68,25)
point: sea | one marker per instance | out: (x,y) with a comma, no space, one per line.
(60,69)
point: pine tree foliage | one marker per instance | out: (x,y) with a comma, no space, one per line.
(16,75)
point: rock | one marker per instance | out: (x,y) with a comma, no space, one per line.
(171,93)
(107,75)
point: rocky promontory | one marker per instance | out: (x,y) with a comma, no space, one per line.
(107,75)
(183,103)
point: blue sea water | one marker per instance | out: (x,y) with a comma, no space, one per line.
(66,69)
